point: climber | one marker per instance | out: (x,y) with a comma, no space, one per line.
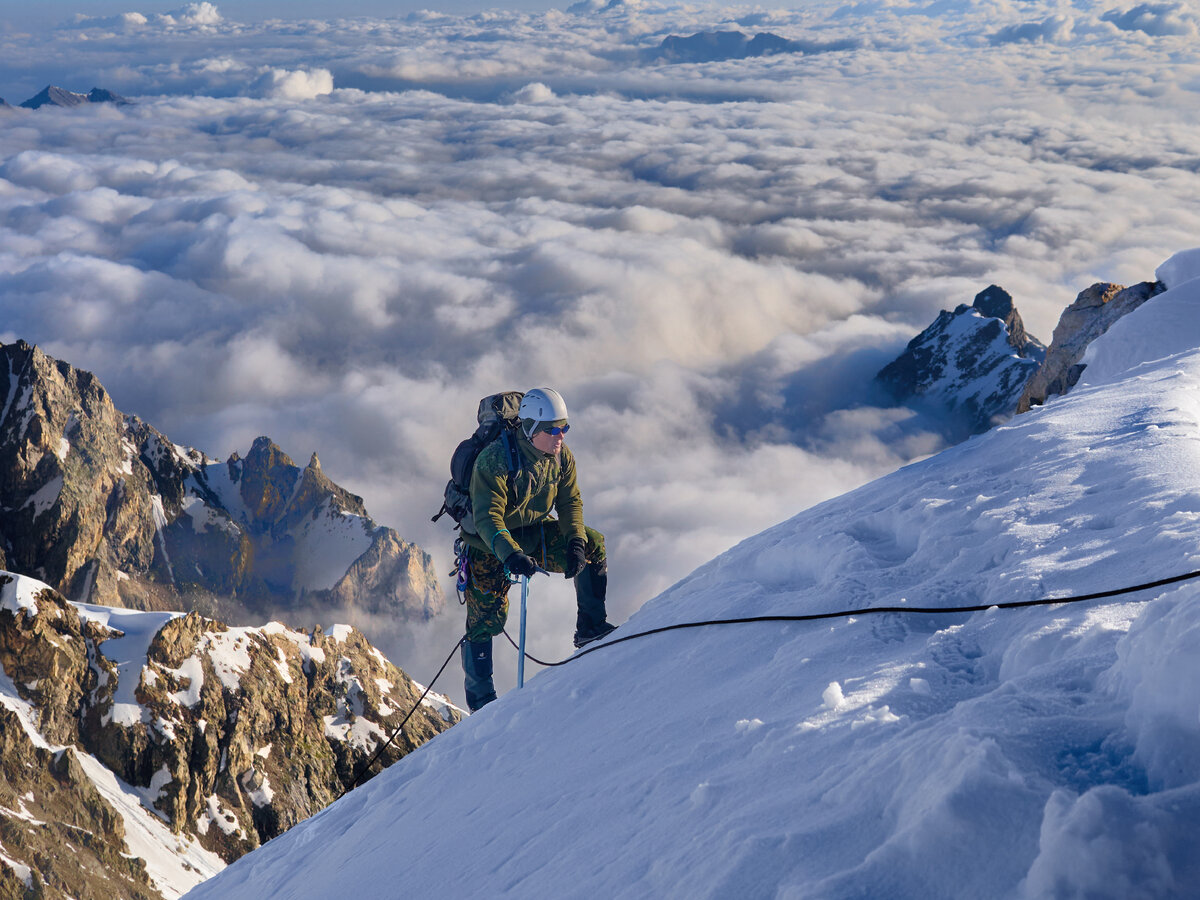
(513,499)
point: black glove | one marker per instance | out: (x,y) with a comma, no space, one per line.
(520,564)
(575,558)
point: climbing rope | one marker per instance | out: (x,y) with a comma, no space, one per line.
(809,617)
(850,613)
(378,753)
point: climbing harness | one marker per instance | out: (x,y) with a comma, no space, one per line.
(462,569)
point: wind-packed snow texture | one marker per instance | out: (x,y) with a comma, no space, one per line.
(1047,751)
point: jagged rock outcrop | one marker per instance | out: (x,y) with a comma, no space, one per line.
(106,509)
(1092,314)
(223,738)
(970,365)
(52,95)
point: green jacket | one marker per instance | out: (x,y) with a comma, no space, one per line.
(545,484)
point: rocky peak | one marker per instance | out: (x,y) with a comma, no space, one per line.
(1091,315)
(268,480)
(993,302)
(103,95)
(969,366)
(53,95)
(106,508)
(55,504)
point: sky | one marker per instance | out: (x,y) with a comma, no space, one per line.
(342,233)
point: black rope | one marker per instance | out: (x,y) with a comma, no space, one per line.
(849,613)
(809,617)
(378,753)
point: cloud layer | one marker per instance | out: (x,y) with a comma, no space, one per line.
(710,261)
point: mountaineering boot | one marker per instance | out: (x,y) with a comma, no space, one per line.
(477,666)
(591,588)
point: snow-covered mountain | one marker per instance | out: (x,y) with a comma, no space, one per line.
(107,509)
(715,46)
(970,365)
(142,751)
(1040,752)
(52,95)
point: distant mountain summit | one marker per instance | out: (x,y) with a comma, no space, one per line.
(106,509)
(970,364)
(52,95)
(716,46)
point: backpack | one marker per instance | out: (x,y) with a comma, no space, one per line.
(499,418)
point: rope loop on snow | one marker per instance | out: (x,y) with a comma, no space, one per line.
(850,613)
(810,617)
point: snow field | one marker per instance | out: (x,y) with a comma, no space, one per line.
(20,594)
(1008,753)
(127,651)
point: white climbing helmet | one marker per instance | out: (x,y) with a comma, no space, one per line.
(542,405)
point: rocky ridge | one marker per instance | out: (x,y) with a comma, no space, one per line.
(143,751)
(106,509)
(1090,316)
(970,364)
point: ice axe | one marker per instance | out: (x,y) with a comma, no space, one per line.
(521,643)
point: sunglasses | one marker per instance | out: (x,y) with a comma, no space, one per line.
(556,430)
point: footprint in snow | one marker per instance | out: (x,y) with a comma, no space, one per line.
(890,628)
(960,656)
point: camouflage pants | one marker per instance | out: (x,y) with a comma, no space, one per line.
(487,587)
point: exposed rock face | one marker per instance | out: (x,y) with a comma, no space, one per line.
(106,509)
(221,738)
(52,95)
(970,364)
(1092,314)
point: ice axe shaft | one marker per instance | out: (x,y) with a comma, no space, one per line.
(524,615)
(521,645)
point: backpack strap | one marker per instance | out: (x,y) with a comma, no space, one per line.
(513,455)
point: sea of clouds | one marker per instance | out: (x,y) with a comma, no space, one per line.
(342,233)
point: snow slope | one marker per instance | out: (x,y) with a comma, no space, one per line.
(1042,752)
